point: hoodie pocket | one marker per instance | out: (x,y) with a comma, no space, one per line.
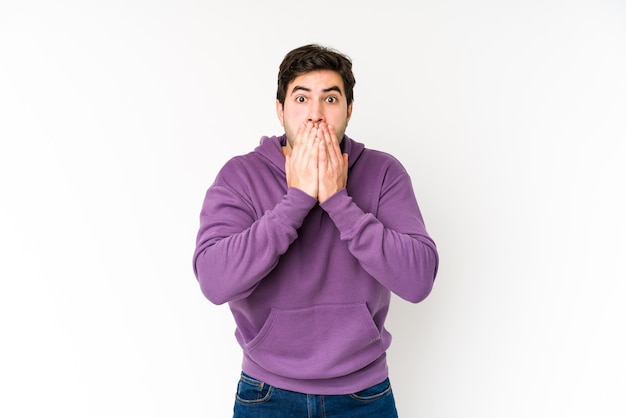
(317,342)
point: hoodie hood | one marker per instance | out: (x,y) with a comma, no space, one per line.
(270,147)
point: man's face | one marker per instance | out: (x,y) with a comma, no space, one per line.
(316,96)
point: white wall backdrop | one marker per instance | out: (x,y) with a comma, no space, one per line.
(116,115)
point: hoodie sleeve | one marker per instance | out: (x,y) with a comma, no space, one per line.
(235,250)
(393,245)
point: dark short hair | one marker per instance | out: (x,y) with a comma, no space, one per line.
(311,58)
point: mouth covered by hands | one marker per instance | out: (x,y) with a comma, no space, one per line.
(314,162)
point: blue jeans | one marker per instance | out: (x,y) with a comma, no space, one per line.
(256,399)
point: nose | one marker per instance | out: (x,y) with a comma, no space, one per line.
(315,113)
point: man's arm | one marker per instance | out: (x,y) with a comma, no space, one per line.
(234,252)
(394,246)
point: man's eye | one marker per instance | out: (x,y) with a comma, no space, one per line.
(300,99)
(331,99)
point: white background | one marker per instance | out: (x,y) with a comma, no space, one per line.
(116,115)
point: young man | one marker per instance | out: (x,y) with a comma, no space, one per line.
(305,238)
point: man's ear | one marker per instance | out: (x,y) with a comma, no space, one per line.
(349,113)
(280,112)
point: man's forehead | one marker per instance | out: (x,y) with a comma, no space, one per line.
(320,80)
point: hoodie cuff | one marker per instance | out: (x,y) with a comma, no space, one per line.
(343,211)
(293,208)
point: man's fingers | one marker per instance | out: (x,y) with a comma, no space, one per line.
(333,152)
(303,160)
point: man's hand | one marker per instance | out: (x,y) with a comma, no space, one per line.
(332,164)
(301,160)
(315,163)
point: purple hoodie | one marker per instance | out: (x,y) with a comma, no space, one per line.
(309,284)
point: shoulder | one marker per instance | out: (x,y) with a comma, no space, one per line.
(376,159)
(267,154)
(240,166)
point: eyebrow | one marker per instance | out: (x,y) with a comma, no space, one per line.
(329,89)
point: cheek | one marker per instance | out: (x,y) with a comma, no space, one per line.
(340,118)
(294,118)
